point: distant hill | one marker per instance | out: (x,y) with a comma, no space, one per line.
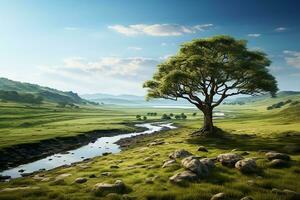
(130,100)
(46,93)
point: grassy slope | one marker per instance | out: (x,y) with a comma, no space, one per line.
(277,129)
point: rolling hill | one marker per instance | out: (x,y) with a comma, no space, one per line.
(18,90)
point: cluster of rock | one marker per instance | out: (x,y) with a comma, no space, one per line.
(278,159)
(195,167)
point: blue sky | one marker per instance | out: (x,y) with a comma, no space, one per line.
(113,46)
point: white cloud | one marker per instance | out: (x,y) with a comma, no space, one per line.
(159,29)
(292,58)
(135,48)
(110,66)
(254,34)
(280,29)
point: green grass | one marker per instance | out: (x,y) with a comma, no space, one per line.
(248,128)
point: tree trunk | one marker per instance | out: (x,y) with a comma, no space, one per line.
(208,126)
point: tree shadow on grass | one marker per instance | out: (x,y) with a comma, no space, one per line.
(287,142)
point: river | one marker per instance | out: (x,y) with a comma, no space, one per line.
(98,148)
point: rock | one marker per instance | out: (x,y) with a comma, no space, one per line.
(202,148)
(247,165)
(247,198)
(277,163)
(106,188)
(128,197)
(183,176)
(274,155)
(21,170)
(62,176)
(229,159)
(209,162)
(38,177)
(92,176)
(218,196)
(148,159)
(294,195)
(181,153)
(233,150)
(194,165)
(277,191)
(106,173)
(169,163)
(156,154)
(149,180)
(114,167)
(20,188)
(156,142)
(80,180)
(106,153)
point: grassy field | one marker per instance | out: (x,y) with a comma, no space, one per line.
(278,130)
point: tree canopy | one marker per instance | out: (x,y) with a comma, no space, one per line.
(206,71)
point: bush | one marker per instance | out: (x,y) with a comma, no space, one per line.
(165,117)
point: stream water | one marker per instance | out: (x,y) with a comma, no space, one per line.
(99,147)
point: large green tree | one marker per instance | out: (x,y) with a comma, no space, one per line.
(206,71)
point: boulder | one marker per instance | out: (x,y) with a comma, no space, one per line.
(277,163)
(274,155)
(80,180)
(247,165)
(181,153)
(209,162)
(202,148)
(194,165)
(229,159)
(183,177)
(106,188)
(218,196)
(169,163)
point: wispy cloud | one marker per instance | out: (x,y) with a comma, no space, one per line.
(135,48)
(254,35)
(71,28)
(280,29)
(159,29)
(292,58)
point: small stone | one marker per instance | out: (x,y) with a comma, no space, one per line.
(169,163)
(274,155)
(278,163)
(106,173)
(21,170)
(106,188)
(229,159)
(149,180)
(80,180)
(114,167)
(183,176)
(106,153)
(244,153)
(247,165)
(202,148)
(218,196)
(181,153)
(148,159)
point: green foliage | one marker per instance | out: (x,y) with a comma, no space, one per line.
(219,65)
(152,114)
(165,117)
(280,104)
